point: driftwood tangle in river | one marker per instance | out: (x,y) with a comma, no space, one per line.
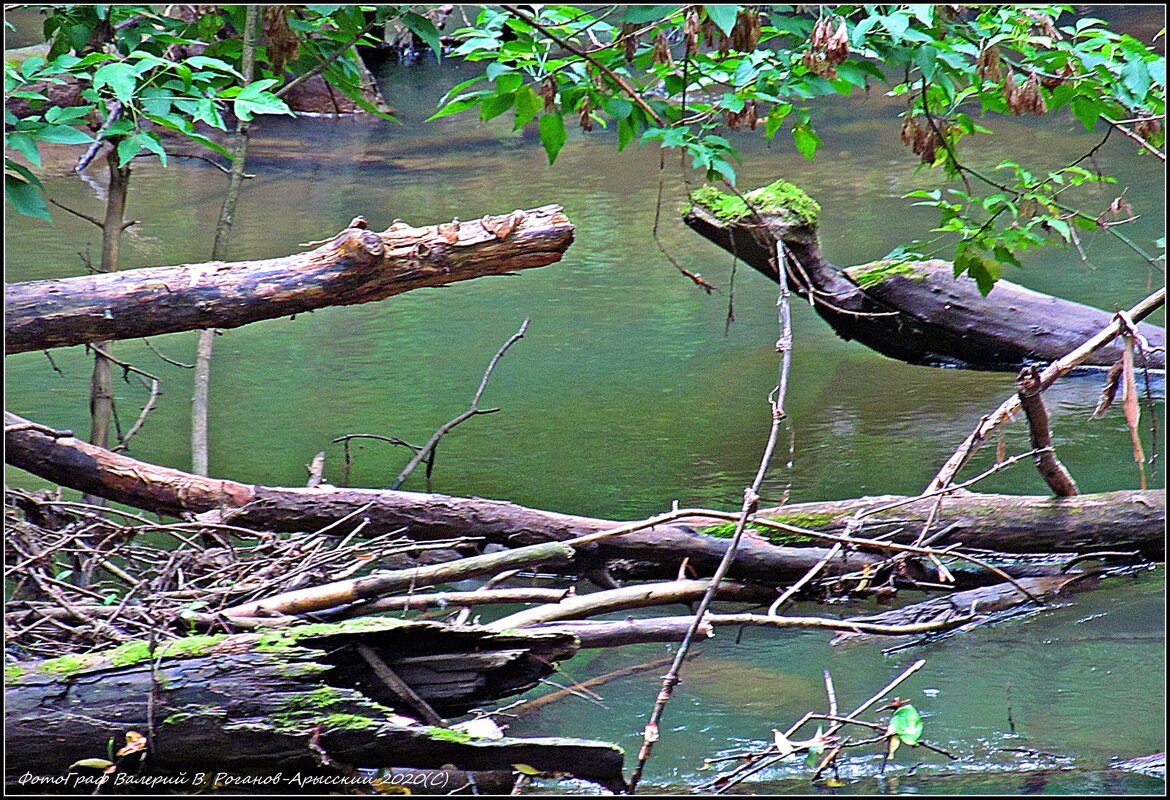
(1010,523)
(251,701)
(915,311)
(355,266)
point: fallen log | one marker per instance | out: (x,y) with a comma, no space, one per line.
(1118,520)
(914,311)
(981,603)
(355,266)
(278,700)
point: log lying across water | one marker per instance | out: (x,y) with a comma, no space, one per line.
(915,311)
(1117,520)
(356,266)
(277,701)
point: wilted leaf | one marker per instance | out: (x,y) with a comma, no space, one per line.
(1109,392)
(525,769)
(1129,403)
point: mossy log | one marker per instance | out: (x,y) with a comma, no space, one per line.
(266,702)
(915,311)
(355,266)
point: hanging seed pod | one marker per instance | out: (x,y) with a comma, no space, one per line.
(746,33)
(1149,129)
(820,34)
(1043,23)
(629,40)
(1052,81)
(283,44)
(662,50)
(1011,93)
(752,114)
(989,65)
(1033,100)
(585,115)
(691,30)
(548,91)
(909,131)
(837,45)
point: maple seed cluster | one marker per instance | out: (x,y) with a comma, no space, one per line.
(749,115)
(922,139)
(828,47)
(1024,98)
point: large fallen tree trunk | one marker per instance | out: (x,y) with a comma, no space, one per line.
(1024,524)
(356,266)
(277,701)
(915,311)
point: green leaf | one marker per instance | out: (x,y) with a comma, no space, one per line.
(1086,109)
(63,134)
(552,135)
(927,60)
(806,140)
(626,132)
(127,149)
(120,77)
(528,105)
(25,145)
(495,105)
(424,29)
(638,15)
(151,142)
(25,197)
(92,763)
(618,107)
(461,103)
(256,99)
(906,723)
(723,17)
(199,62)
(775,119)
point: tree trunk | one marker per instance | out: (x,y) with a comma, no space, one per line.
(1116,520)
(918,311)
(272,702)
(355,266)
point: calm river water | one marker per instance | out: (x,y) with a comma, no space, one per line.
(626,395)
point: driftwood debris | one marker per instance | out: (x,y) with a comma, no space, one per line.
(915,311)
(278,700)
(1006,523)
(355,266)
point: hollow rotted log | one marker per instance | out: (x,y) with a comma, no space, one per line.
(276,701)
(355,266)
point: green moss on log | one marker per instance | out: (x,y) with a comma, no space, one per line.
(776,198)
(810,520)
(869,275)
(449,735)
(12,672)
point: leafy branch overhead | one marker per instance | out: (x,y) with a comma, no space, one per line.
(134,74)
(684,75)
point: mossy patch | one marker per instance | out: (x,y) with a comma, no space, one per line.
(798,520)
(12,672)
(194,711)
(67,665)
(776,198)
(869,275)
(132,653)
(351,710)
(449,735)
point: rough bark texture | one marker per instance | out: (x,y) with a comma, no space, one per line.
(356,266)
(259,701)
(1008,523)
(1032,401)
(927,315)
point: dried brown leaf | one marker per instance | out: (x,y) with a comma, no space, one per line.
(1109,392)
